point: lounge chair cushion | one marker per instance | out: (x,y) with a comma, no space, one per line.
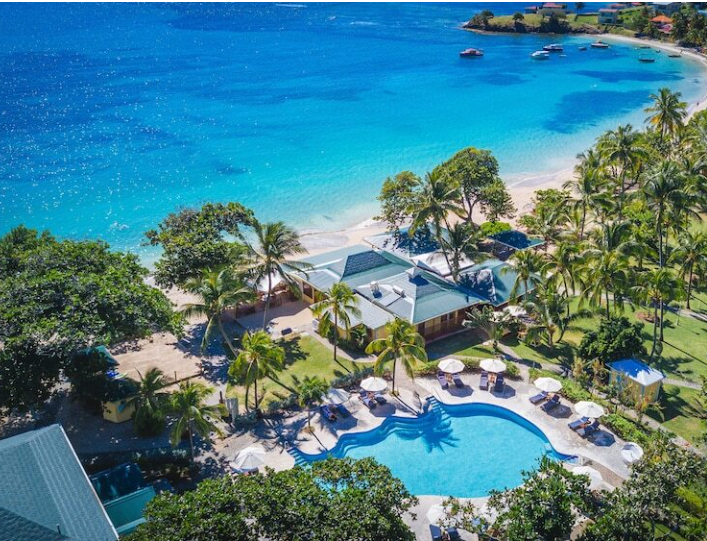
(538,398)
(435,532)
(574,425)
(588,430)
(342,410)
(458,380)
(550,404)
(453,533)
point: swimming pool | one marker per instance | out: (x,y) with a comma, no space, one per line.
(462,450)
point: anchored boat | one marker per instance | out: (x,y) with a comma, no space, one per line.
(600,45)
(540,55)
(471,53)
(553,48)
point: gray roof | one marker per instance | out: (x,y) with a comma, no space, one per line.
(16,528)
(371,316)
(354,265)
(42,481)
(417,295)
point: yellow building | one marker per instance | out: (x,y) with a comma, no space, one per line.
(636,377)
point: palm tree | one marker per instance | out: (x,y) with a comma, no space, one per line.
(193,413)
(493,324)
(549,309)
(691,253)
(402,343)
(276,244)
(335,310)
(662,190)
(603,273)
(259,358)
(149,402)
(668,112)
(587,188)
(527,265)
(218,291)
(439,197)
(310,391)
(621,147)
(562,264)
(462,242)
(657,287)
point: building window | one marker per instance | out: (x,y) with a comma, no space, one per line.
(307,290)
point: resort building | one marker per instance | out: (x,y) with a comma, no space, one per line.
(608,16)
(408,278)
(637,377)
(45,493)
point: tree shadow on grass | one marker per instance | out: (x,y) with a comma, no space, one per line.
(672,406)
(562,353)
(293,350)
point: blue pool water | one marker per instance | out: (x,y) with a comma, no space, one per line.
(462,450)
(114,115)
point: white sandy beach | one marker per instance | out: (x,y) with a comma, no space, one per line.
(522,190)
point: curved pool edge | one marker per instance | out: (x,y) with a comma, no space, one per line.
(296,452)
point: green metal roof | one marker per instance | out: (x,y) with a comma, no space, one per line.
(417,296)
(13,527)
(42,481)
(354,265)
(126,512)
(490,281)
(372,316)
(516,239)
(118,481)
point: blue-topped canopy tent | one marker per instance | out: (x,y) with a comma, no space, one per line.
(637,377)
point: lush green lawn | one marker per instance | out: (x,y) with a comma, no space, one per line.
(677,414)
(467,344)
(305,356)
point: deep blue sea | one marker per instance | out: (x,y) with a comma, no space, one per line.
(114,115)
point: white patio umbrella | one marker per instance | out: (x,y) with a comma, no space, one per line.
(336,397)
(374,385)
(250,458)
(595,478)
(451,366)
(631,452)
(589,409)
(436,514)
(549,385)
(493,365)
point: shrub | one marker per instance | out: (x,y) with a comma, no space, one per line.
(430,368)
(573,391)
(512,371)
(626,429)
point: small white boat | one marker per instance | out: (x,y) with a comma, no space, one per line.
(600,45)
(540,55)
(582,48)
(553,48)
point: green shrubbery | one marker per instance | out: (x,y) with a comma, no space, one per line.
(626,429)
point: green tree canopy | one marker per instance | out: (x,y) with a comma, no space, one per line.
(59,297)
(617,338)
(192,240)
(398,196)
(334,499)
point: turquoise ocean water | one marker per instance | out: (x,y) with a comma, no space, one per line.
(112,116)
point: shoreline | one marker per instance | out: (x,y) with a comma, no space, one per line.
(522,189)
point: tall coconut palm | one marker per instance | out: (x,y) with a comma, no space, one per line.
(662,190)
(622,149)
(310,391)
(527,264)
(603,274)
(493,324)
(668,112)
(562,265)
(587,188)
(657,287)
(402,343)
(150,401)
(438,199)
(462,242)
(259,358)
(276,244)
(690,254)
(335,310)
(193,414)
(549,309)
(217,291)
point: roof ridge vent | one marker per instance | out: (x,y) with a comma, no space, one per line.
(399,291)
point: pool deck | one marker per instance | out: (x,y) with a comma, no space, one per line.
(602,452)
